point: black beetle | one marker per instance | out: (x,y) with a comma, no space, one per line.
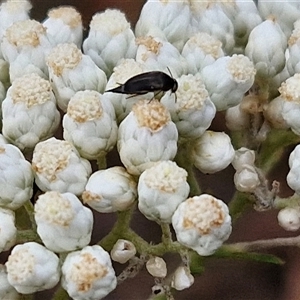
(144,83)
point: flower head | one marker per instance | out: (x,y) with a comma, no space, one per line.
(58,166)
(161,189)
(88,274)
(63,223)
(31,268)
(202,223)
(146,135)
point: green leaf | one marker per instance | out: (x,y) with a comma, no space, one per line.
(254,256)
(239,203)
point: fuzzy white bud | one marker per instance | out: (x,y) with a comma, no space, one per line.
(169,19)
(24,46)
(8,230)
(146,135)
(63,223)
(64,25)
(161,189)
(212,19)
(157,54)
(200,51)
(290,93)
(31,268)
(266,48)
(213,152)
(110,39)
(88,274)
(29,111)
(202,223)
(228,79)
(110,190)
(16,177)
(193,111)
(90,116)
(58,167)
(7,291)
(71,71)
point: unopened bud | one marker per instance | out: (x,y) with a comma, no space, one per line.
(157,267)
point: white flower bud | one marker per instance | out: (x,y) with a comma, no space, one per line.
(236,118)
(294,174)
(285,12)
(8,230)
(182,278)
(64,25)
(7,291)
(289,218)
(3,140)
(32,268)
(246,179)
(29,111)
(213,152)
(228,79)
(16,177)
(110,190)
(146,135)
(4,74)
(292,64)
(244,17)
(202,223)
(157,267)
(122,251)
(290,93)
(193,111)
(71,71)
(167,18)
(110,39)
(12,11)
(243,156)
(157,54)
(266,48)
(88,274)
(24,46)
(126,69)
(63,223)
(58,167)
(161,189)
(212,20)
(90,116)
(273,112)
(200,51)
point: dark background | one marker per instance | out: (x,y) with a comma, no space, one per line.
(222,279)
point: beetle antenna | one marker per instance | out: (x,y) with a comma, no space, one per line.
(170,72)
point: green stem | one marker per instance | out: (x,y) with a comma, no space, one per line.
(101,162)
(119,230)
(28,235)
(183,159)
(264,244)
(166,234)
(238,204)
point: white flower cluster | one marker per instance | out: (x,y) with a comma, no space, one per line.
(224,58)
